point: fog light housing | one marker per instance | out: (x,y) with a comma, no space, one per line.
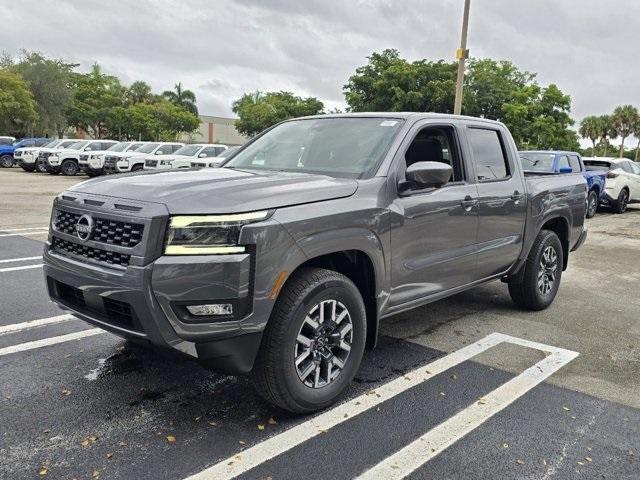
(211,309)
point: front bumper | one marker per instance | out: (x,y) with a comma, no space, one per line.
(147,303)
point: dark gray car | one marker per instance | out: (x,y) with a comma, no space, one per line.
(283,262)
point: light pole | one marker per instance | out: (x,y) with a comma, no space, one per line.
(461,54)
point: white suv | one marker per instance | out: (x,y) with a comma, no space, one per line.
(67,160)
(182,157)
(26,156)
(92,163)
(215,161)
(37,159)
(134,161)
(622,185)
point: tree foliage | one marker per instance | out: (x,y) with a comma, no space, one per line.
(258,111)
(537,116)
(590,128)
(625,120)
(50,82)
(17,106)
(182,98)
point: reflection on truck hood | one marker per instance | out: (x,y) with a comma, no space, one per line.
(220,190)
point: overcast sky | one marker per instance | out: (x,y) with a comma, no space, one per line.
(221,49)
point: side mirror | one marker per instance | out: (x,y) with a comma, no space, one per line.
(429,174)
(158,152)
(566,170)
(87,149)
(202,155)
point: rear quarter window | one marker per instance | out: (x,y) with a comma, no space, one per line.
(488,154)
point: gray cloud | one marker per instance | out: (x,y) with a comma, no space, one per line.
(221,49)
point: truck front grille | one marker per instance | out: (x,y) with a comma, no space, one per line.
(113,232)
(65,247)
(84,157)
(43,155)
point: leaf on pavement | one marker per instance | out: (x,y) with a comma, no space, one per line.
(520,462)
(43,471)
(260,426)
(66,392)
(272,421)
(171,439)
(505,445)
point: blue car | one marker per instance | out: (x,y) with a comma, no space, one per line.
(6,151)
(554,161)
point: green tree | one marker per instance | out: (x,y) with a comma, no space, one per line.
(625,121)
(96,94)
(151,121)
(50,82)
(182,98)
(607,132)
(17,106)
(590,128)
(258,111)
(391,83)
(636,133)
(139,92)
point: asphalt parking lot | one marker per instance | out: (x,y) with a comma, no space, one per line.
(468,387)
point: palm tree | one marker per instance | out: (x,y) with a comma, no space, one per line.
(607,132)
(636,133)
(625,120)
(139,92)
(590,128)
(182,98)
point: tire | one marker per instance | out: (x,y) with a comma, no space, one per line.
(592,204)
(6,161)
(27,168)
(541,278)
(69,168)
(41,167)
(620,205)
(276,376)
(137,168)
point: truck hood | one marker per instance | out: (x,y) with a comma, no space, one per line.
(171,158)
(66,151)
(220,190)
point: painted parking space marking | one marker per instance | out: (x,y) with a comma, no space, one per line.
(23,259)
(281,443)
(22,267)
(22,234)
(45,342)
(24,229)
(439,438)
(40,322)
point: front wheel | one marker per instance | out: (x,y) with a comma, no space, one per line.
(620,205)
(6,161)
(592,204)
(41,166)
(542,274)
(27,168)
(69,168)
(314,342)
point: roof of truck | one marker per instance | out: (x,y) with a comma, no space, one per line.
(406,116)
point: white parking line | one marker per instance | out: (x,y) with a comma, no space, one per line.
(22,229)
(22,234)
(17,327)
(23,267)
(45,342)
(278,444)
(417,453)
(23,259)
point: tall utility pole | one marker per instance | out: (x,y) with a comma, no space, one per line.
(462,54)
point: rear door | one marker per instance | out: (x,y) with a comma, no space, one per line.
(501,195)
(433,230)
(632,169)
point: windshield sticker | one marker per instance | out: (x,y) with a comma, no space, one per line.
(388,123)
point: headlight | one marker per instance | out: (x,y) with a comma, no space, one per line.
(208,234)
(165,162)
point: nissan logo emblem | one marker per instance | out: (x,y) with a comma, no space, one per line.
(84,227)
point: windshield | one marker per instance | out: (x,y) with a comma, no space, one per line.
(338,146)
(66,144)
(594,166)
(134,147)
(537,162)
(148,148)
(51,144)
(188,150)
(77,145)
(118,147)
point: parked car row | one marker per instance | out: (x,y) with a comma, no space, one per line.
(98,157)
(612,182)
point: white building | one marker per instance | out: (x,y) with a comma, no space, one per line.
(217,130)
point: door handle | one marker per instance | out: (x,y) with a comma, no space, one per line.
(516,196)
(468,203)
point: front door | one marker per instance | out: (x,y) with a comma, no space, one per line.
(433,236)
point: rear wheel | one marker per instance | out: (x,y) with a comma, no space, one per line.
(41,167)
(542,274)
(620,205)
(6,161)
(314,342)
(137,168)
(592,204)
(69,168)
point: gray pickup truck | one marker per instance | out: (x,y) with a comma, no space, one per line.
(283,262)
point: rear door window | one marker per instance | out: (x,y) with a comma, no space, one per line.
(488,154)
(563,162)
(626,166)
(575,163)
